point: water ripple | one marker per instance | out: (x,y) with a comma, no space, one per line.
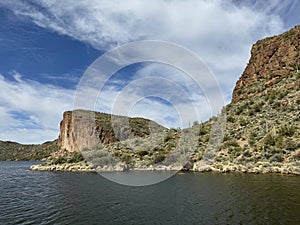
(72,198)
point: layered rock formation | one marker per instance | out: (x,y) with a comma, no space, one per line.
(81,129)
(271,60)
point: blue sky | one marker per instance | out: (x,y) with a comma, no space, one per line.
(45,47)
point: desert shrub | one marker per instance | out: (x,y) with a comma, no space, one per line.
(230,119)
(126,157)
(243,122)
(104,160)
(251,140)
(287,130)
(59,160)
(75,157)
(276,105)
(272,95)
(280,143)
(231,143)
(169,135)
(247,153)
(250,112)
(226,137)
(269,140)
(281,95)
(257,107)
(203,130)
(142,153)
(159,158)
(290,145)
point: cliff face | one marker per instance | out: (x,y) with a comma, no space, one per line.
(76,132)
(271,60)
(81,129)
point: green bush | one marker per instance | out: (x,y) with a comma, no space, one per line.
(230,119)
(290,145)
(59,160)
(202,130)
(159,158)
(269,140)
(126,157)
(287,130)
(169,135)
(243,122)
(251,140)
(231,143)
(142,153)
(75,157)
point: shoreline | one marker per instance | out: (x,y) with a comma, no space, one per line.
(84,167)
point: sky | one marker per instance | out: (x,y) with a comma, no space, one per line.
(47,45)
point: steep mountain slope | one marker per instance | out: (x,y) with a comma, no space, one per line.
(263,119)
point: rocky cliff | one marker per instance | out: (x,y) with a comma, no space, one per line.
(263,119)
(272,59)
(81,129)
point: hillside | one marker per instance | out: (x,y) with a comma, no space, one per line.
(15,151)
(263,119)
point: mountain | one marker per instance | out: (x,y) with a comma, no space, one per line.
(15,151)
(263,119)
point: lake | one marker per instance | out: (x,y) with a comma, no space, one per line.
(28,197)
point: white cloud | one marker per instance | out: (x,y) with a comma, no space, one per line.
(220,32)
(30,112)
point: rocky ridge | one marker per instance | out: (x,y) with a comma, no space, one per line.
(272,59)
(14,151)
(262,127)
(263,119)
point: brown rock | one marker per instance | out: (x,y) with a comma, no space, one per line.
(271,59)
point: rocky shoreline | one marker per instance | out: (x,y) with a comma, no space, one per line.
(259,168)
(67,167)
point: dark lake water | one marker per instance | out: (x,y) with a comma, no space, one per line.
(28,197)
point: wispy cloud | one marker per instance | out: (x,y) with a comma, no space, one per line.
(220,32)
(30,112)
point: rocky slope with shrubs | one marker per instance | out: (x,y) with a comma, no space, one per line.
(263,119)
(15,151)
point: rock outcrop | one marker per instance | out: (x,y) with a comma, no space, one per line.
(263,125)
(271,60)
(78,130)
(81,129)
